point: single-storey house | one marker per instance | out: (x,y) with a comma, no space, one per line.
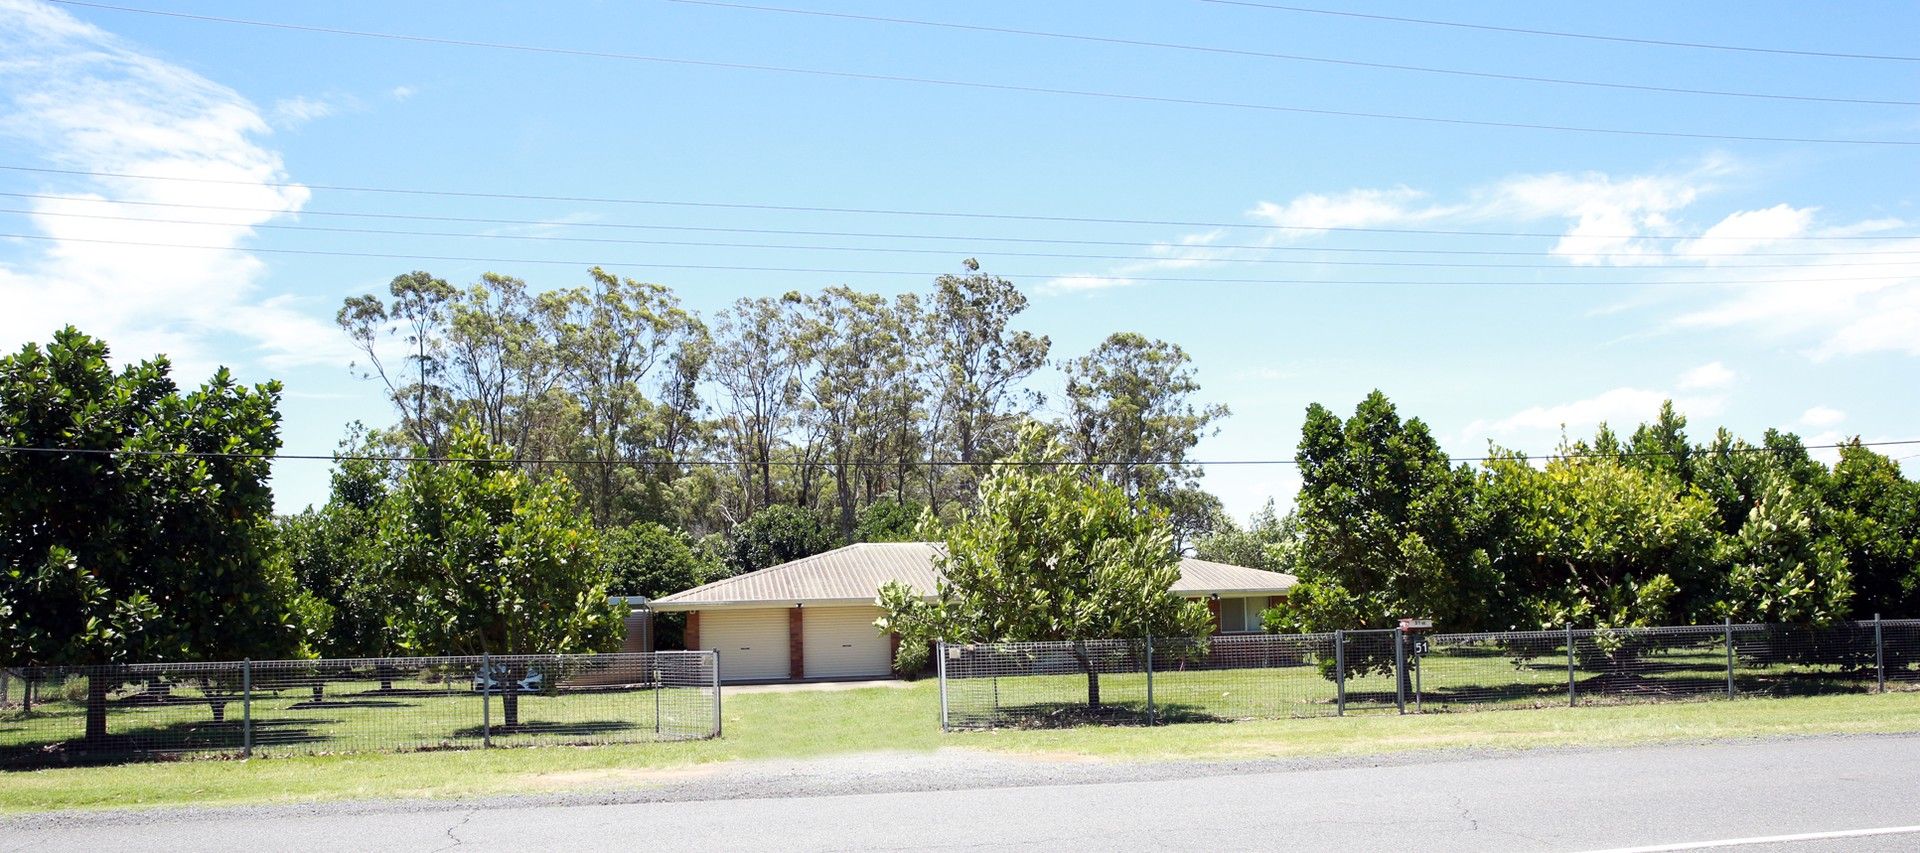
(813,618)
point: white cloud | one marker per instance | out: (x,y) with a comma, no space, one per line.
(88,101)
(1822,416)
(1356,208)
(401,93)
(1710,375)
(1623,408)
(1747,230)
(1604,211)
(293,112)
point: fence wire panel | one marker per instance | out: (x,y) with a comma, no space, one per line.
(1238,677)
(1043,685)
(1521,669)
(1650,664)
(1801,660)
(1900,641)
(56,714)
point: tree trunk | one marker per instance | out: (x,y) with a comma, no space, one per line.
(319,692)
(219,710)
(510,695)
(96,707)
(385,673)
(1093,675)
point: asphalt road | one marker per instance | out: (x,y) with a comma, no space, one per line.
(1542,800)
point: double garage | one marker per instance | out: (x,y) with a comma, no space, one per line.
(802,641)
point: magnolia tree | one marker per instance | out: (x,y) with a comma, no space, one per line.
(1049,554)
(496,561)
(140,530)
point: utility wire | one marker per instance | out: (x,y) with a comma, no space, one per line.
(786,208)
(856,463)
(911,236)
(1186,253)
(930,274)
(1571,35)
(1007,87)
(1292,57)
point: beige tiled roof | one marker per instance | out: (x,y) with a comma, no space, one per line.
(856,573)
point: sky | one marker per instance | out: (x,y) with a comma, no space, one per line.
(1245,181)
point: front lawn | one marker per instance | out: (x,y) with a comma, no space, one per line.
(792,725)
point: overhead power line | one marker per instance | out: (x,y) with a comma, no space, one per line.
(977,238)
(1293,57)
(871,211)
(1825,54)
(1115,278)
(856,463)
(1006,87)
(1185,253)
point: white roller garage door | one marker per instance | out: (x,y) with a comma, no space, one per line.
(841,642)
(752,642)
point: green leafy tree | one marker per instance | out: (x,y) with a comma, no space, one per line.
(498,562)
(1048,554)
(650,559)
(890,519)
(1780,568)
(334,553)
(1387,529)
(122,550)
(1875,519)
(1267,542)
(778,534)
(1594,541)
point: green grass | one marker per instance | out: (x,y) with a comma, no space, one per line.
(808,724)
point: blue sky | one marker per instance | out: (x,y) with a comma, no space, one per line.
(1584,326)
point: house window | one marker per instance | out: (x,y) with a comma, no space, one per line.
(1241,615)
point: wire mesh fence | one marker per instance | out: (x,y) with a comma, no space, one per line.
(57,714)
(1255,676)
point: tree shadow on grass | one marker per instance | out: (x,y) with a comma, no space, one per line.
(1066,715)
(325,704)
(148,743)
(580,728)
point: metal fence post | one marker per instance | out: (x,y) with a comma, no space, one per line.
(486,701)
(1879,657)
(940,650)
(1729,657)
(1339,673)
(1571,700)
(246,708)
(1400,670)
(1150,714)
(659,684)
(718,724)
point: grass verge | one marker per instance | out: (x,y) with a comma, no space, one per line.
(797,725)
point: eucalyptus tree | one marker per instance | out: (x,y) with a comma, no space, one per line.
(612,335)
(1130,417)
(404,343)
(758,371)
(976,364)
(855,347)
